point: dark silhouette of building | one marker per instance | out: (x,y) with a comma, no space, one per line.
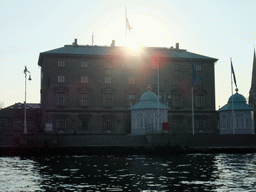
(12,119)
(252,93)
(89,89)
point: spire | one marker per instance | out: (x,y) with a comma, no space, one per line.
(252,93)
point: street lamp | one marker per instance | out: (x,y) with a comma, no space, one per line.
(25,105)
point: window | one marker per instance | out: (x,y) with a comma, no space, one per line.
(107,65)
(176,82)
(108,123)
(84,79)
(131,80)
(199,100)
(154,65)
(198,67)
(61,64)
(84,64)
(131,66)
(131,100)
(61,124)
(200,124)
(107,80)
(108,99)
(84,99)
(176,67)
(61,79)
(177,101)
(61,98)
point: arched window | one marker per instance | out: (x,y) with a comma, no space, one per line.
(177,98)
(84,97)
(200,98)
(61,97)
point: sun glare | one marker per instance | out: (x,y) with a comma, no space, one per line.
(146,31)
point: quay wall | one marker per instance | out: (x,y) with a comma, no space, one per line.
(161,143)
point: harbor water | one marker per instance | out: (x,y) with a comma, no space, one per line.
(183,172)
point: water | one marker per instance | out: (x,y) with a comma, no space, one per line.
(186,172)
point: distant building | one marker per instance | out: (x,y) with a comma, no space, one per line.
(145,117)
(89,89)
(236,117)
(12,118)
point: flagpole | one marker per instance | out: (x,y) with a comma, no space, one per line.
(125,26)
(193,118)
(158,94)
(233,112)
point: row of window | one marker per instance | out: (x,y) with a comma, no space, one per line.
(240,121)
(61,124)
(108,65)
(84,99)
(108,100)
(85,79)
(108,80)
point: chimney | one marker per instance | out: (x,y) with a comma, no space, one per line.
(113,43)
(177,46)
(75,42)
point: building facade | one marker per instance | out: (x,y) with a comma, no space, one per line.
(89,89)
(236,117)
(148,114)
(12,119)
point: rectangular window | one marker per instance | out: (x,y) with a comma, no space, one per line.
(200,100)
(176,82)
(61,124)
(84,64)
(61,79)
(61,64)
(198,67)
(131,100)
(61,99)
(107,65)
(108,99)
(131,80)
(200,124)
(131,65)
(177,100)
(154,65)
(84,99)
(107,80)
(176,67)
(84,79)
(108,123)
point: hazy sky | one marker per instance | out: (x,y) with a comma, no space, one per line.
(216,28)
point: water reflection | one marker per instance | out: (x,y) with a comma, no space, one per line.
(191,172)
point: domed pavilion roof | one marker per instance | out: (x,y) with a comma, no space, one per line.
(149,100)
(239,102)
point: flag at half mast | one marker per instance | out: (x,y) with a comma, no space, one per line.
(128,26)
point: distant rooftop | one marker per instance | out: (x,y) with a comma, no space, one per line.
(76,49)
(21,106)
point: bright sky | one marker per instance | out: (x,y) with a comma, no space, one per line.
(219,29)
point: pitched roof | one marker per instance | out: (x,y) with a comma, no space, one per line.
(115,50)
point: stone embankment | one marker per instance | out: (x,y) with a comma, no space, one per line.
(162,143)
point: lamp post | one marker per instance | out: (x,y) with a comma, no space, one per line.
(25,105)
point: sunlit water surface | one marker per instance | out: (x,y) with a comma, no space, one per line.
(190,172)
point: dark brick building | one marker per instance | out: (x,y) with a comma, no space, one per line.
(89,89)
(12,119)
